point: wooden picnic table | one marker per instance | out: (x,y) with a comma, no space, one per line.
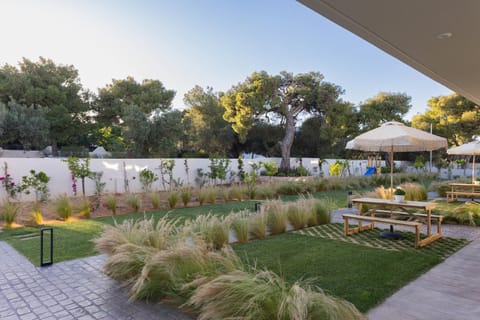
(462,189)
(422,211)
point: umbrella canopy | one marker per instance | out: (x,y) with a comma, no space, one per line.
(470,149)
(396,137)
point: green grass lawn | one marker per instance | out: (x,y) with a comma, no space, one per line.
(364,276)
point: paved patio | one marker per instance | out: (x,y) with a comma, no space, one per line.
(69,290)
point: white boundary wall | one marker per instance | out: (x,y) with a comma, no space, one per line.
(113,171)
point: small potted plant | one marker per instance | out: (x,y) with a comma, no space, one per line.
(399,195)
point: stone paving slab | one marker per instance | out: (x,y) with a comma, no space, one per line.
(74,289)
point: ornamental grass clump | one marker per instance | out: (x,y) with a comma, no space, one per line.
(8,212)
(173,198)
(237,193)
(176,272)
(143,232)
(37,215)
(265,295)
(414,191)
(85,208)
(211,195)
(111,203)
(201,196)
(154,200)
(241,225)
(212,229)
(258,226)
(186,195)
(298,215)
(276,212)
(467,213)
(133,201)
(63,207)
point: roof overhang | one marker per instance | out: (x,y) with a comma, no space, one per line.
(439,38)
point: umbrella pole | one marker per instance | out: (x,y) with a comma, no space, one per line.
(473,170)
(391,172)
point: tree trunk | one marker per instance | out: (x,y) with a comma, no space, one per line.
(54,148)
(287,142)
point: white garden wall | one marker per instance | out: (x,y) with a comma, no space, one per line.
(114,174)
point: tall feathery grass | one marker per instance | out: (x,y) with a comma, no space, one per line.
(237,192)
(211,195)
(186,195)
(225,193)
(85,208)
(201,196)
(9,212)
(241,225)
(173,198)
(212,229)
(276,212)
(414,191)
(258,226)
(265,295)
(298,215)
(467,213)
(154,200)
(37,215)
(111,203)
(176,272)
(63,207)
(133,201)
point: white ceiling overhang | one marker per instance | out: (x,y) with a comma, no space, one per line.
(417,33)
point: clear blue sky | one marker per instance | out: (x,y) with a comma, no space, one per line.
(215,43)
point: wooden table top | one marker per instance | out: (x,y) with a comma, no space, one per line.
(464,184)
(404,204)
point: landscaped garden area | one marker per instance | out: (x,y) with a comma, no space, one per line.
(179,251)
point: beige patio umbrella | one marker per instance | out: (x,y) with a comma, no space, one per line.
(470,149)
(396,137)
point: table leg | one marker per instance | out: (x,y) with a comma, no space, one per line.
(429,222)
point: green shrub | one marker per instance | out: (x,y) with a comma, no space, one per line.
(63,207)
(111,203)
(8,212)
(155,200)
(133,201)
(173,198)
(265,295)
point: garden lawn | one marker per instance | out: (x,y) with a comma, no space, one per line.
(362,275)
(73,239)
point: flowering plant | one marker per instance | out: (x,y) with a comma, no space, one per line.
(7,183)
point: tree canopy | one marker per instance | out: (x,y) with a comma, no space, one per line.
(453,117)
(285,97)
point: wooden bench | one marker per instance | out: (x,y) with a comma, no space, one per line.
(422,216)
(349,231)
(452,196)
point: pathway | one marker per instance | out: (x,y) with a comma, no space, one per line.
(74,289)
